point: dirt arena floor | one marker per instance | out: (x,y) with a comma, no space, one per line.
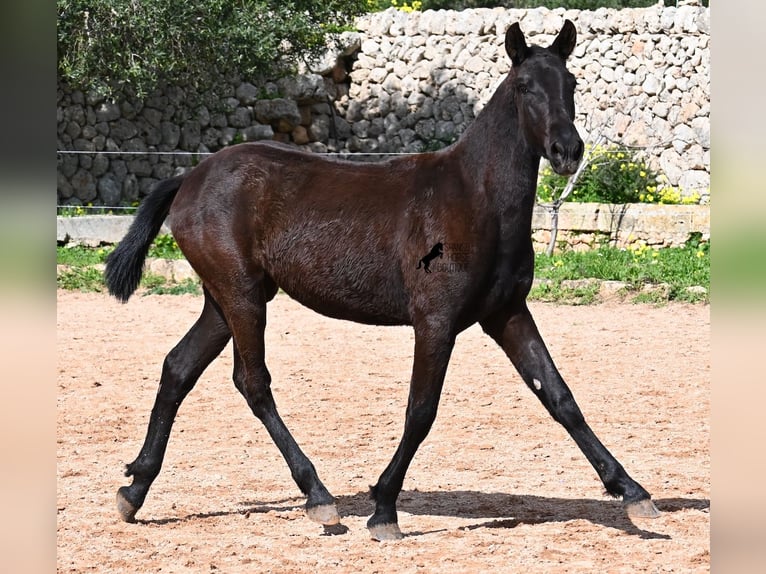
(497,486)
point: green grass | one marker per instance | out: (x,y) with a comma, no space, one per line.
(80,273)
(680,267)
(80,279)
(164,247)
(156,285)
(79,256)
(554,292)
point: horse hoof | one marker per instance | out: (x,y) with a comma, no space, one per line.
(126,509)
(325,514)
(381,532)
(642,509)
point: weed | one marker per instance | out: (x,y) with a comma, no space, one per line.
(87,279)
(637,266)
(79,256)
(554,293)
(165,247)
(615,175)
(185,287)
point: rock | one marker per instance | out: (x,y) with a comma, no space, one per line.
(158,266)
(661,290)
(109,190)
(181,270)
(247,93)
(107,112)
(586,283)
(240,118)
(171,134)
(257,132)
(84,186)
(696,290)
(611,289)
(122,129)
(300,136)
(191,135)
(100,165)
(278,110)
(303,89)
(154,117)
(64,189)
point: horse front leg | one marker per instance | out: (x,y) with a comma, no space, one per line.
(180,371)
(517,334)
(432,352)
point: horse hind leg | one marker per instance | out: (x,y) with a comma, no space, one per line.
(180,371)
(247,317)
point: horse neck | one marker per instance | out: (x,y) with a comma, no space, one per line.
(496,154)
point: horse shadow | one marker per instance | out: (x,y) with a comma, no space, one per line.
(490,509)
(502,510)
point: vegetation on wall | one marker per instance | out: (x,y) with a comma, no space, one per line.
(569,4)
(613,174)
(109,45)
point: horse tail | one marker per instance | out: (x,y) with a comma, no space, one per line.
(125,264)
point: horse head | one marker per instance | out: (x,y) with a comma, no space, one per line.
(543,95)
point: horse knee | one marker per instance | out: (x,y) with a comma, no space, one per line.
(560,404)
(255,386)
(420,419)
(177,378)
(568,413)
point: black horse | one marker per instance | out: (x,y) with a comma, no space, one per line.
(344,238)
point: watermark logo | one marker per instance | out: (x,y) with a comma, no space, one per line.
(425,261)
(452,258)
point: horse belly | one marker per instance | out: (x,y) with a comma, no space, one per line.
(353,284)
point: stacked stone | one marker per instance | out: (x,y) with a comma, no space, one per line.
(643,74)
(410,82)
(137,131)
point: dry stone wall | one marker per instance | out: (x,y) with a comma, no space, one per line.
(409,82)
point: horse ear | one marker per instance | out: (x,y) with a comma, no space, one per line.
(515,44)
(564,43)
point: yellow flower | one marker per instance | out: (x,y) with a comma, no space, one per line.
(700,254)
(642,173)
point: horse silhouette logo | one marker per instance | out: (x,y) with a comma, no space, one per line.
(436,251)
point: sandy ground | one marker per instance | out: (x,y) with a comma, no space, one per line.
(497,486)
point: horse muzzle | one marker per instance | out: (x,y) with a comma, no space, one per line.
(565,153)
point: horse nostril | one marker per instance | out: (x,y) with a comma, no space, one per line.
(578,149)
(557,150)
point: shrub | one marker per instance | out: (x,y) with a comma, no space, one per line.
(108,45)
(614,174)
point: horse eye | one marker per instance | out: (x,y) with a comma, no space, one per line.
(523,89)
